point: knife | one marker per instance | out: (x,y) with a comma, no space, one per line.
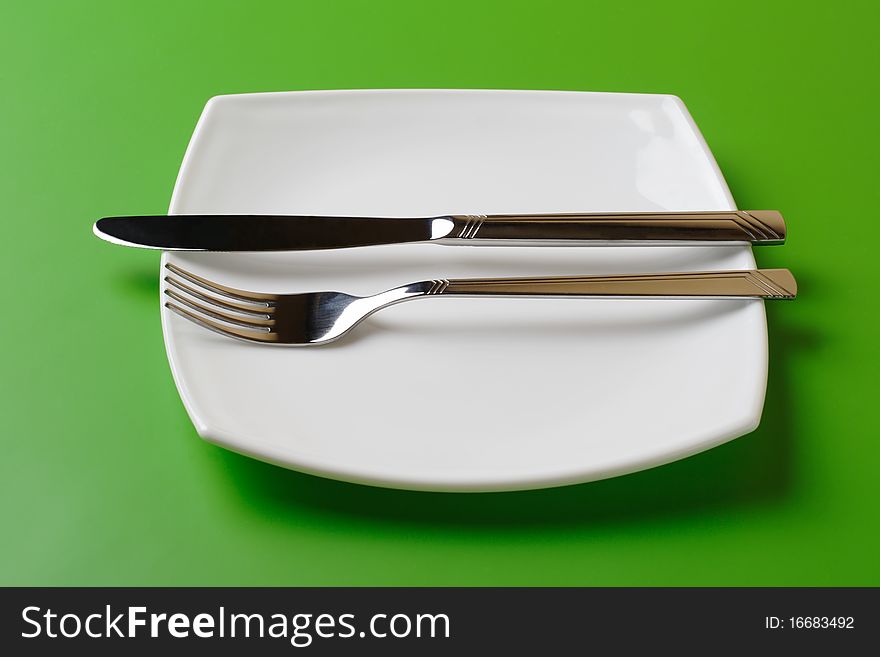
(240,232)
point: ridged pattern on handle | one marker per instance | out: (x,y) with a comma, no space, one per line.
(758,226)
(469,225)
(762,283)
(761,225)
(438,286)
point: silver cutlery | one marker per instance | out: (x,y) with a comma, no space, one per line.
(315,318)
(233,232)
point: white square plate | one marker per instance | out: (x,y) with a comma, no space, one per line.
(467,394)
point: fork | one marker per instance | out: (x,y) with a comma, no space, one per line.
(314,318)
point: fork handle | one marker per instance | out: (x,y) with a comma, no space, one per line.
(756,226)
(757,283)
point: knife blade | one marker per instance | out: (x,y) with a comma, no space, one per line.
(240,232)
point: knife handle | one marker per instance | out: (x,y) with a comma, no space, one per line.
(749,284)
(755,226)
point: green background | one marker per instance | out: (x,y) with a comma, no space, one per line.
(103,479)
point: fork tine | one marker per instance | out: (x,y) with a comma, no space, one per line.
(223,290)
(262,310)
(228,331)
(257,324)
